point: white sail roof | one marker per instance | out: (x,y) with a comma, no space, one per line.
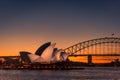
(64,56)
(33,57)
(45,56)
(56,57)
(47,53)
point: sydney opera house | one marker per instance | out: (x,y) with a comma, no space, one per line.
(47,54)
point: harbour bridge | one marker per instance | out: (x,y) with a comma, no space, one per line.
(107,46)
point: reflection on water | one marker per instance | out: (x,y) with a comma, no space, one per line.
(91,73)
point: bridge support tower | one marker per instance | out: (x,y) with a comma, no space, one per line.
(89,59)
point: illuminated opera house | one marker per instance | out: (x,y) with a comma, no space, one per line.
(47,53)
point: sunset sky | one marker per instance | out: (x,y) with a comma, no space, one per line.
(27,24)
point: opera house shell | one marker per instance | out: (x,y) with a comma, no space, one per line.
(47,53)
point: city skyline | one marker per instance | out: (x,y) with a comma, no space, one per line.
(26,25)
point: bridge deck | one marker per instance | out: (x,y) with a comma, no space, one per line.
(96,55)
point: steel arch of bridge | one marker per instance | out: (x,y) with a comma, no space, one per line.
(86,44)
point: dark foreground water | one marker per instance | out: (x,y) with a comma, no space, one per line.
(91,73)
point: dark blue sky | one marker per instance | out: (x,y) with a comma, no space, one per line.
(30,23)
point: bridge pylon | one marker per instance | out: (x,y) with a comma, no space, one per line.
(89,59)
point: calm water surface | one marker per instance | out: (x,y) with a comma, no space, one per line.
(91,73)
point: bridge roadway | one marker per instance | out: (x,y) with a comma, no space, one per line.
(95,55)
(89,56)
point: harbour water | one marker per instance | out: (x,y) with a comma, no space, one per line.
(89,73)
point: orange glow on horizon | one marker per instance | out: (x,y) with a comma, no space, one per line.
(12,44)
(13,47)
